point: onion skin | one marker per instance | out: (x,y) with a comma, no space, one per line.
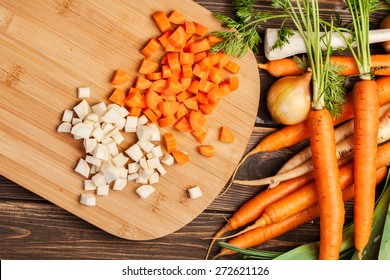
(386,24)
(289,99)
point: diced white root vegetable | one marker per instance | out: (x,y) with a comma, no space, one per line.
(120,123)
(133,167)
(195,192)
(168,159)
(142,120)
(111,173)
(149,155)
(88,199)
(89,185)
(64,127)
(143,163)
(107,127)
(146,146)
(132,176)
(94,170)
(119,184)
(153,163)
(103,190)
(113,106)
(82,130)
(120,160)
(134,152)
(118,137)
(141,180)
(131,124)
(144,133)
(157,152)
(76,121)
(92,160)
(111,116)
(67,116)
(101,152)
(112,148)
(82,109)
(90,122)
(161,170)
(89,145)
(114,131)
(156,136)
(144,191)
(82,168)
(123,112)
(98,134)
(99,108)
(92,117)
(154,178)
(84,92)
(146,173)
(124,172)
(99,180)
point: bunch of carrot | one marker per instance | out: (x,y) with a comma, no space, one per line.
(179,80)
(293,202)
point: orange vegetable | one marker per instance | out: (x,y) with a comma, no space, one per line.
(118,96)
(176,17)
(142,83)
(150,114)
(232,67)
(183,125)
(151,48)
(189,27)
(170,142)
(186,58)
(200,29)
(166,121)
(199,135)
(133,98)
(182,111)
(163,39)
(178,38)
(152,99)
(173,86)
(233,83)
(120,77)
(147,66)
(162,21)
(197,120)
(168,108)
(206,150)
(199,46)
(226,135)
(191,103)
(180,157)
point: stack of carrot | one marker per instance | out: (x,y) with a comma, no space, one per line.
(179,80)
(293,202)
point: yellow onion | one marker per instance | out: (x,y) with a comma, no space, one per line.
(386,24)
(289,99)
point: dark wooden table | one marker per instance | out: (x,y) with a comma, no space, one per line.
(33,228)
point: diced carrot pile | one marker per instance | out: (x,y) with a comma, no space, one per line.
(185,83)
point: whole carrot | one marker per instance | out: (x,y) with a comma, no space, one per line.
(260,235)
(289,67)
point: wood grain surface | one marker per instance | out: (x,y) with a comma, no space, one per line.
(47,51)
(33,228)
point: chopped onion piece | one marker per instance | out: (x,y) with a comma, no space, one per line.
(88,199)
(82,109)
(84,92)
(83,168)
(82,130)
(64,127)
(67,116)
(103,190)
(195,192)
(144,191)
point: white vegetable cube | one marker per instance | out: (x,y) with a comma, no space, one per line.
(67,116)
(83,168)
(124,172)
(112,147)
(99,108)
(119,160)
(84,92)
(82,109)
(76,121)
(89,145)
(154,178)
(101,152)
(131,124)
(146,146)
(82,130)
(92,117)
(142,120)
(157,152)
(113,106)
(89,185)
(168,159)
(118,137)
(119,184)
(143,163)
(107,127)
(156,132)
(195,192)
(144,133)
(133,167)
(120,123)
(161,170)
(132,177)
(153,163)
(111,172)
(146,173)
(98,179)
(141,180)
(144,191)
(111,116)
(64,127)
(123,112)
(134,152)
(103,190)
(98,134)
(88,199)
(92,160)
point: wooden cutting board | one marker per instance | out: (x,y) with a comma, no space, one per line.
(49,48)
